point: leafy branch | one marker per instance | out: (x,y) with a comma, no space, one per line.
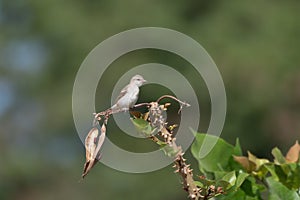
(250,177)
(223,171)
(152,125)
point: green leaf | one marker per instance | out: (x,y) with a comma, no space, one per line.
(271,168)
(274,197)
(237,150)
(280,173)
(279,158)
(139,123)
(251,157)
(261,172)
(205,182)
(279,191)
(218,158)
(294,177)
(253,198)
(251,187)
(142,126)
(239,194)
(230,177)
(287,174)
(258,161)
(199,184)
(218,175)
(240,179)
(224,184)
(261,162)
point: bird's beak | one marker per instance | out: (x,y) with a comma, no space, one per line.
(144,81)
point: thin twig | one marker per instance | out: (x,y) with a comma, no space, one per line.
(174,98)
(182,103)
(109,112)
(141,105)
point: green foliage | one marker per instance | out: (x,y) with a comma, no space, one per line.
(219,159)
(279,191)
(143,127)
(249,177)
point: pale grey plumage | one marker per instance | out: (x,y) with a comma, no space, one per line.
(129,94)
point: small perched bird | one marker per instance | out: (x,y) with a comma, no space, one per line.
(129,94)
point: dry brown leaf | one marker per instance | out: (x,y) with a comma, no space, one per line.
(292,155)
(245,162)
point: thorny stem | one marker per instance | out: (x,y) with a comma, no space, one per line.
(154,139)
(187,175)
(179,162)
(195,192)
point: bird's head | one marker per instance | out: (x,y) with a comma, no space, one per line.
(138,80)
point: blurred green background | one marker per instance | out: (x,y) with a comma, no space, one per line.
(255,44)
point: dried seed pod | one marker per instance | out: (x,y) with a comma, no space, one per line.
(93,144)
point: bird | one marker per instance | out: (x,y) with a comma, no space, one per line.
(129,94)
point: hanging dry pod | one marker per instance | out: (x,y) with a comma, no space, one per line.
(93,144)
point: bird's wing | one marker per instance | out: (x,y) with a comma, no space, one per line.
(122,93)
